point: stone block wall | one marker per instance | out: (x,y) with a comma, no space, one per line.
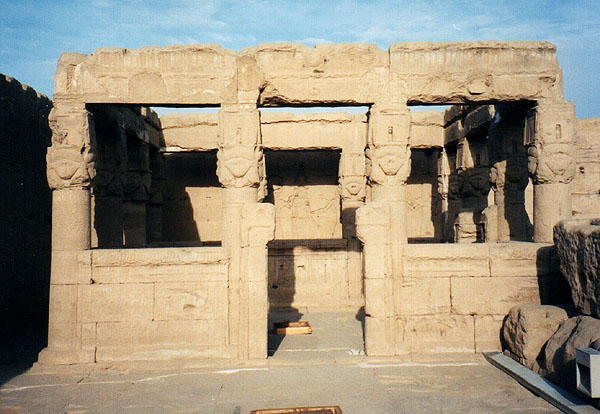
(25,219)
(314,275)
(140,304)
(585,188)
(454,297)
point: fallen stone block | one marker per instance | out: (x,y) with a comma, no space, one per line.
(527,328)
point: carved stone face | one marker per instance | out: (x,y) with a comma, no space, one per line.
(239,166)
(480,181)
(390,159)
(354,187)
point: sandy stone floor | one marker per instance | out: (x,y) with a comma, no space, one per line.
(324,369)
(360,387)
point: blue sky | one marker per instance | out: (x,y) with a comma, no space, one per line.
(33,34)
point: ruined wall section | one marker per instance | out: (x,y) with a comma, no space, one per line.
(25,219)
(585,188)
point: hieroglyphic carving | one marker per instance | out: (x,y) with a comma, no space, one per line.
(306,211)
(70,159)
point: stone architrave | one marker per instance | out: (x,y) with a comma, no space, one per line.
(70,170)
(550,134)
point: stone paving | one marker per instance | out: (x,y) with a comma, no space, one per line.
(325,368)
(357,385)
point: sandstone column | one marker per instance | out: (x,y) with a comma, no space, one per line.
(70,169)
(241,171)
(107,189)
(156,198)
(353,183)
(136,189)
(473,185)
(443,187)
(550,134)
(258,228)
(389,155)
(373,227)
(381,223)
(509,178)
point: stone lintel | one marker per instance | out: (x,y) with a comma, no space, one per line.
(333,74)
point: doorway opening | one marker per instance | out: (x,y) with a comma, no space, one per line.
(313,274)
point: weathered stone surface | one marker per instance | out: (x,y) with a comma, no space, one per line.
(324,74)
(585,187)
(422,296)
(488,330)
(435,334)
(578,246)
(559,354)
(426,129)
(446,260)
(471,295)
(527,328)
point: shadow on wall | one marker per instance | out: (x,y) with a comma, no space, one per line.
(425,222)
(26,221)
(192,209)
(554,288)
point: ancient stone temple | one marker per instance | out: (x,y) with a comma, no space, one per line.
(174,237)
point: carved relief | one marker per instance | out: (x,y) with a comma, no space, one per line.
(242,166)
(551,163)
(474,182)
(306,211)
(551,157)
(107,183)
(390,164)
(69,166)
(136,185)
(372,223)
(259,223)
(70,159)
(353,180)
(509,175)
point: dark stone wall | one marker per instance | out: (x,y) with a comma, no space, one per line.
(25,221)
